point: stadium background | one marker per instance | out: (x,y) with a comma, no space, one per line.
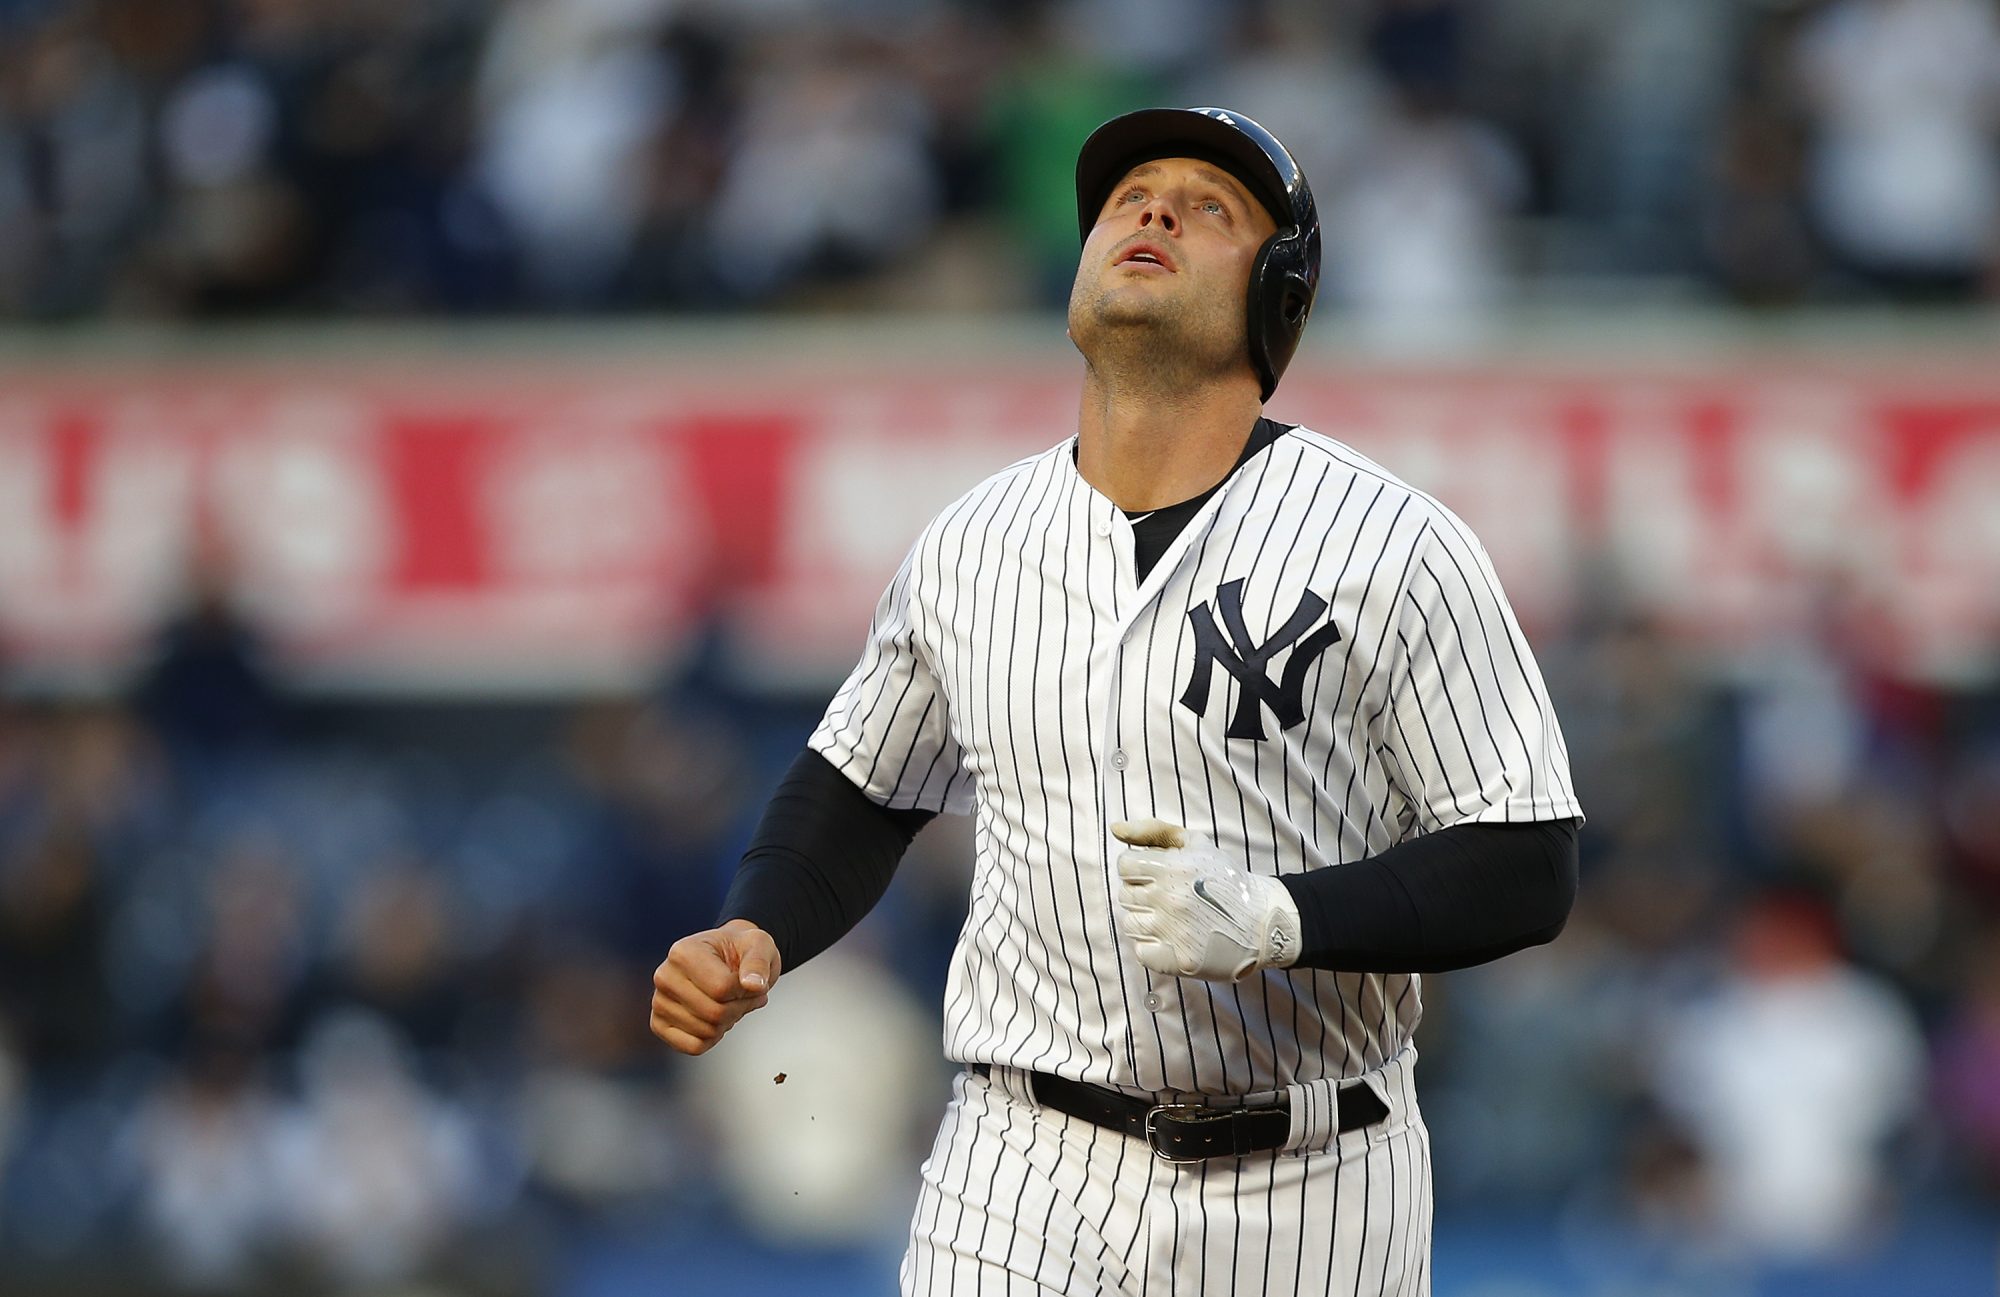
(448,450)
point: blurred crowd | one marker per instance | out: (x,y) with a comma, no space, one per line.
(317,997)
(385,157)
(328,997)
(1771,1029)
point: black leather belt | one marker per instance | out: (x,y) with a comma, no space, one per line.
(1192,1132)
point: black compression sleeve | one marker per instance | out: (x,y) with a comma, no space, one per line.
(822,855)
(1450,899)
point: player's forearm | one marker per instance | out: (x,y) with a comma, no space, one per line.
(821,857)
(1461,896)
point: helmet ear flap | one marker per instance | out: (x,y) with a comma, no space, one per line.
(1279,298)
(1258,310)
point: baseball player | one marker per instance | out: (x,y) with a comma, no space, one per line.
(1252,741)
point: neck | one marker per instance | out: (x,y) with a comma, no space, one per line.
(1146,444)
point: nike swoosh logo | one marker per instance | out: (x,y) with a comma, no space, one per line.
(1201,891)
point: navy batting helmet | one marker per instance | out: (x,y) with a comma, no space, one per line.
(1285,275)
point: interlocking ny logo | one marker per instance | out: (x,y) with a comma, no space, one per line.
(1247,660)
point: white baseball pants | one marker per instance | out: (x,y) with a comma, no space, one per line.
(1024,1201)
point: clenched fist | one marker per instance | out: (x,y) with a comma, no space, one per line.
(709,980)
(1192,912)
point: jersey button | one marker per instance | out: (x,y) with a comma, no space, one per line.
(1153,1001)
(1104,528)
(1118,761)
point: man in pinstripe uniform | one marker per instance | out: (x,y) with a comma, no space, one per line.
(1252,740)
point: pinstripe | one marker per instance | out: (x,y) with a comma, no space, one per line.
(910,752)
(1204,740)
(1311,829)
(1306,851)
(1367,1228)
(1209,770)
(1551,733)
(1413,776)
(1013,936)
(1068,963)
(1308,1226)
(1266,1043)
(909,683)
(1436,771)
(1200,1174)
(986,1216)
(1319,1226)
(1492,666)
(1357,731)
(1010,747)
(1394,1214)
(1472,761)
(1416,1239)
(1013,1216)
(1020,668)
(1270,1226)
(974,1150)
(1111,1203)
(1079,506)
(1109,930)
(1352,1042)
(951,1138)
(1042,1255)
(1153,799)
(1142,1243)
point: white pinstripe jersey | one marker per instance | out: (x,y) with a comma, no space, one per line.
(1016,669)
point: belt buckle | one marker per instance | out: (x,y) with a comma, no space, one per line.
(1178,1111)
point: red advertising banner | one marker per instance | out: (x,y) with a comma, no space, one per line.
(484,526)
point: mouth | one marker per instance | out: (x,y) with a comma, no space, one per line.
(1145,254)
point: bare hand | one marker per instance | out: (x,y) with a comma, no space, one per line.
(709,980)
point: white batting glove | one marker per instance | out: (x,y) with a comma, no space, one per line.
(1192,912)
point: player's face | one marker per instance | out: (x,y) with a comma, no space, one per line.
(1171,253)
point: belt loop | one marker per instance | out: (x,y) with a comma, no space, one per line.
(1239,1133)
(1010,1081)
(1316,1104)
(1315,1114)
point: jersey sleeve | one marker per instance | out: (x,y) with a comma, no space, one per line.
(887,729)
(1468,730)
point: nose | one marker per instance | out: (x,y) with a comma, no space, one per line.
(1161,211)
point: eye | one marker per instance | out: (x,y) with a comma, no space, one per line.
(1133,193)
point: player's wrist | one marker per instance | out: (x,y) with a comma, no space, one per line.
(1283,938)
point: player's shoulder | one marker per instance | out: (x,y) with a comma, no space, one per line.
(1004,482)
(1422,511)
(1042,461)
(1000,489)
